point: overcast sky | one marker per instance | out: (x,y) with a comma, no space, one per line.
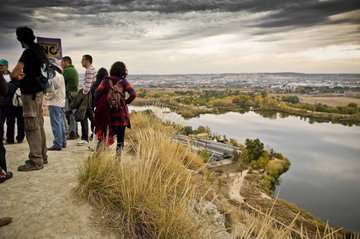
(194,36)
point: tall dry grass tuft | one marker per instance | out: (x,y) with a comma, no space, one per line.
(150,193)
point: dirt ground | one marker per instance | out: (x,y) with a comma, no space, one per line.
(41,203)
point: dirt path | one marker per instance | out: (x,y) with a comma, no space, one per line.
(41,202)
(235,188)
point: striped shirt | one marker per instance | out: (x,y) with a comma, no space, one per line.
(90,78)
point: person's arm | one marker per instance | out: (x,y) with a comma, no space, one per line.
(55,85)
(100,90)
(131,91)
(89,79)
(18,73)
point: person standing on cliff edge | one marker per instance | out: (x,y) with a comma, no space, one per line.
(26,71)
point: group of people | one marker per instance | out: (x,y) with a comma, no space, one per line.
(66,104)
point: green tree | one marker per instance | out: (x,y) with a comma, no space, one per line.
(291,99)
(201,129)
(188,130)
(254,148)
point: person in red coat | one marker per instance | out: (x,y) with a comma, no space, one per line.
(110,122)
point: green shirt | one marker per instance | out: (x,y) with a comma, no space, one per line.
(71,77)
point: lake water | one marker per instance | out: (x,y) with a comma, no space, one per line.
(324,176)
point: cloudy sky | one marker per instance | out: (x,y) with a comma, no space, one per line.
(195,36)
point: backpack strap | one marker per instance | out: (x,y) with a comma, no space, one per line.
(111,84)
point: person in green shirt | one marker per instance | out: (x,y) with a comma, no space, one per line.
(71,77)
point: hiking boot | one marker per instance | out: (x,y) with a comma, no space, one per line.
(5,220)
(30,167)
(29,161)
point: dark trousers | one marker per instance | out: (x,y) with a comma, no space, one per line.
(85,129)
(120,137)
(2,148)
(14,114)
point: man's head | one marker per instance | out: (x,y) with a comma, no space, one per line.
(25,35)
(65,62)
(86,61)
(4,65)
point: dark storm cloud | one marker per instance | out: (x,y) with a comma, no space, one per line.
(286,13)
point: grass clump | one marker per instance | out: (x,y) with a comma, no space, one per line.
(147,194)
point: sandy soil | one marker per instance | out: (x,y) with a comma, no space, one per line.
(235,188)
(41,203)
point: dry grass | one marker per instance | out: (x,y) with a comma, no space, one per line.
(150,193)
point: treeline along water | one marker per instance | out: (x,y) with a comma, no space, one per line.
(324,177)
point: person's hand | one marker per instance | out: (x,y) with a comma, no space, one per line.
(2,173)
(21,76)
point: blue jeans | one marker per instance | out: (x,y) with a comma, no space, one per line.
(57,126)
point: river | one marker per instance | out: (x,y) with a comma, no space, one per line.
(324,176)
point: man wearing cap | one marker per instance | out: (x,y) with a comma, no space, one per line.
(26,71)
(4,68)
(13,113)
(55,98)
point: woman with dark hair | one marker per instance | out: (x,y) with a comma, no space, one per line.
(26,71)
(106,119)
(102,72)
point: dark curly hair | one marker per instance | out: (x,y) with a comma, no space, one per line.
(26,35)
(118,69)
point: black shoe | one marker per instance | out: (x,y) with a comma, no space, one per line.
(9,142)
(53,148)
(5,220)
(8,176)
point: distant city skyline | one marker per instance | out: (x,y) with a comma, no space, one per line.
(194,37)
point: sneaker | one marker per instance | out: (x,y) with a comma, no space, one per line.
(30,167)
(82,143)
